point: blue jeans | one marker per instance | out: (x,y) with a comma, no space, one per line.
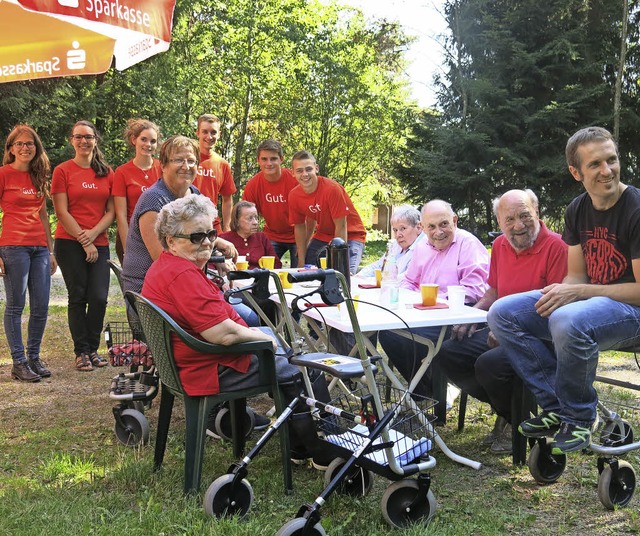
(557,356)
(282,247)
(407,355)
(88,286)
(317,249)
(26,267)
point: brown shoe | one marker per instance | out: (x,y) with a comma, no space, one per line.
(38,366)
(97,360)
(83,363)
(23,373)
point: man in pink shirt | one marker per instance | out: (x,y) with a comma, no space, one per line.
(525,257)
(449,256)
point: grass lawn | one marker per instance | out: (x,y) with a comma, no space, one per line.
(62,471)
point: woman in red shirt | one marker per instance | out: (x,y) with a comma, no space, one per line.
(81,191)
(134,177)
(26,248)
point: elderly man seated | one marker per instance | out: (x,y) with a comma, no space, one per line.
(177,283)
(449,256)
(527,256)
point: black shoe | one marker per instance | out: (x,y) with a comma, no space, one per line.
(38,366)
(260,422)
(544,425)
(22,372)
(572,437)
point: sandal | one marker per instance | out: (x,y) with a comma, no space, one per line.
(97,360)
(83,364)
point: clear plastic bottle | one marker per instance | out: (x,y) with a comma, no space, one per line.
(389,291)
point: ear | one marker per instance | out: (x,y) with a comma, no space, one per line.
(576,173)
(317,169)
(455,220)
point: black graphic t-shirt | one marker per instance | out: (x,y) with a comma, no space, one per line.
(609,238)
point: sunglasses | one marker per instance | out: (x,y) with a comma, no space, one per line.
(198,238)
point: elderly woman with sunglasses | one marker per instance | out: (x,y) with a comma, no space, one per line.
(81,191)
(184,228)
(26,248)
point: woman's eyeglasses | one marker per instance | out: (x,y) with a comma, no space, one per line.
(21,144)
(80,137)
(198,238)
(182,161)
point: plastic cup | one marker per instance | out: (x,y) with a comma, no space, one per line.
(323,263)
(241,258)
(284,279)
(267,262)
(429,293)
(242,265)
(455,296)
(378,277)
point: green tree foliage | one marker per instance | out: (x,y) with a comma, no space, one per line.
(521,77)
(311,75)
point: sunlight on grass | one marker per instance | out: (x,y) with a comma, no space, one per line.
(62,469)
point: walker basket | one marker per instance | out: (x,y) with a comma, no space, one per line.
(409,429)
(125,345)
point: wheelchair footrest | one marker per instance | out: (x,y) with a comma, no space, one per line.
(340,366)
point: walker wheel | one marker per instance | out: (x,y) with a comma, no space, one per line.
(396,505)
(545,467)
(223,423)
(357,482)
(134,429)
(295,527)
(618,491)
(616,434)
(223,499)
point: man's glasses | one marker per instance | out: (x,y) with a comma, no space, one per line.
(198,238)
(21,144)
(182,161)
(80,137)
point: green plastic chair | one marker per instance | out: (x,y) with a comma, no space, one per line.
(158,327)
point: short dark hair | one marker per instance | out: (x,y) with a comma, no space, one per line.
(303,155)
(583,136)
(269,145)
(208,118)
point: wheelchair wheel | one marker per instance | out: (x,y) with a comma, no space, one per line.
(223,423)
(134,429)
(296,526)
(223,500)
(396,505)
(357,482)
(545,467)
(618,491)
(616,434)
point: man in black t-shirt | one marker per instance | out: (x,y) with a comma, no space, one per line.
(552,336)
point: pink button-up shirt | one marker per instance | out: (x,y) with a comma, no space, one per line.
(465,262)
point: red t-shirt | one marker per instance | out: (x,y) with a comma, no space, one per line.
(87,197)
(542,264)
(272,201)
(214,178)
(254,247)
(330,201)
(21,223)
(130,181)
(182,291)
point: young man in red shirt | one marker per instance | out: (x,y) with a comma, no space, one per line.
(320,209)
(214,176)
(269,191)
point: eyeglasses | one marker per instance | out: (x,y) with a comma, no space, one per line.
(21,144)
(80,137)
(198,238)
(182,161)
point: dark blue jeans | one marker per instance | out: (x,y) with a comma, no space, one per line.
(88,286)
(557,356)
(26,267)
(282,247)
